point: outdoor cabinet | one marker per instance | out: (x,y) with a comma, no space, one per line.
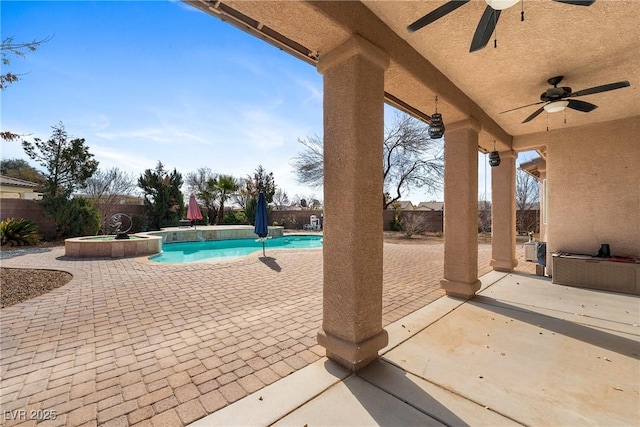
(596,273)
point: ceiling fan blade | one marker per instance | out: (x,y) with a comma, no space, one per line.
(598,89)
(485,28)
(524,106)
(583,106)
(436,14)
(577,2)
(534,115)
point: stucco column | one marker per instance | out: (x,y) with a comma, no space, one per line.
(352,248)
(503,213)
(461,209)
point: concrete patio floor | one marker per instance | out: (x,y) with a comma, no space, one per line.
(128,342)
(522,352)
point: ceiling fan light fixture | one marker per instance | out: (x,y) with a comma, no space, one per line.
(556,106)
(501,4)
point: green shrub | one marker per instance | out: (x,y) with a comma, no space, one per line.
(250,209)
(235,217)
(80,218)
(19,232)
(139,223)
(73,217)
(204,220)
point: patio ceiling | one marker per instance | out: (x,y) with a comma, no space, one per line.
(590,46)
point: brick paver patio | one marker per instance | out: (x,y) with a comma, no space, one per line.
(135,343)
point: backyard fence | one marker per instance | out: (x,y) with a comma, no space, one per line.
(430,221)
(31,209)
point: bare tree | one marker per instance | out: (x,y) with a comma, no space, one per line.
(314,203)
(308,165)
(280,199)
(484,216)
(201,184)
(108,188)
(411,159)
(11,47)
(527,198)
(7,48)
(196,182)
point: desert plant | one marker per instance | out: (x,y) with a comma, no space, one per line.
(290,222)
(19,232)
(413,224)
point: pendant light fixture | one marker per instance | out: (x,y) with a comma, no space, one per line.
(436,127)
(494,157)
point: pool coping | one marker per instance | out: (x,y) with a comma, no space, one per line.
(145,259)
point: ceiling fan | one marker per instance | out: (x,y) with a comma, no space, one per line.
(488,21)
(555,98)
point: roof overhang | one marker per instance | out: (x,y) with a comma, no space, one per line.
(590,46)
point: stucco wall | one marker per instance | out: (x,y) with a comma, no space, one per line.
(594,189)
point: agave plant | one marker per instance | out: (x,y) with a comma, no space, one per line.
(19,232)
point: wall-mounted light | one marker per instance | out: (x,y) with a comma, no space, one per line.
(556,106)
(436,127)
(494,157)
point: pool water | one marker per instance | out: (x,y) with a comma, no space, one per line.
(185,252)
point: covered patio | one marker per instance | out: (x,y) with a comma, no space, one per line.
(522,352)
(367,57)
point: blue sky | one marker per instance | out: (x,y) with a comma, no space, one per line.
(149,81)
(159,80)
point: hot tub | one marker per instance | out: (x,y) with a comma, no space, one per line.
(110,247)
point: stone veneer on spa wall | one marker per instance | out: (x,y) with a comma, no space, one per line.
(150,243)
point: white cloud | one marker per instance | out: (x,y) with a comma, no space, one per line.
(129,161)
(314,94)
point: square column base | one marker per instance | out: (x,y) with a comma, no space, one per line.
(460,289)
(353,356)
(503,264)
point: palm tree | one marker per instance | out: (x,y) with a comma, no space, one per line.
(227,186)
(208,195)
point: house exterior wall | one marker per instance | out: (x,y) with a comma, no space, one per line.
(14,192)
(594,193)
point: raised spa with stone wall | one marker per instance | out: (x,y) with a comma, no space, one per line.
(108,246)
(216,232)
(150,243)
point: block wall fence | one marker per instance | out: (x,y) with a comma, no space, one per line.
(290,219)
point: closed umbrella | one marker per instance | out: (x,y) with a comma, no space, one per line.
(261,228)
(193,213)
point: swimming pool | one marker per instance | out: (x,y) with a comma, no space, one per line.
(186,252)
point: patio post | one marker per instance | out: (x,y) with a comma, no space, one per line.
(461,209)
(351,329)
(503,213)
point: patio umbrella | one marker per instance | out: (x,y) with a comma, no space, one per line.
(261,228)
(193,213)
